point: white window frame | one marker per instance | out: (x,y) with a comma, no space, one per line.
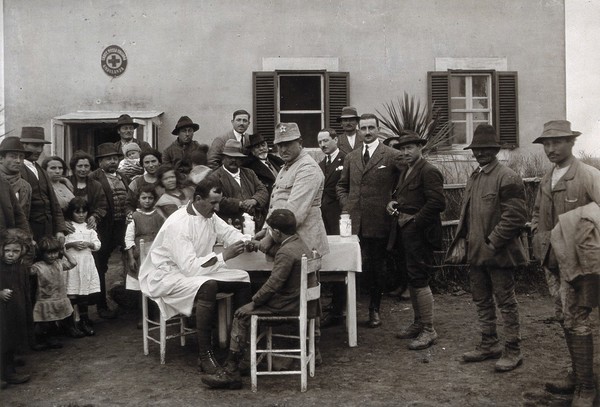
(322,84)
(469,110)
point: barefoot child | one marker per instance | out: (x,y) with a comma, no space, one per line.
(52,303)
(82,280)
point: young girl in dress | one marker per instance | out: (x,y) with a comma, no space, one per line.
(15,305)
(145,225)
(82,280)
(52,303)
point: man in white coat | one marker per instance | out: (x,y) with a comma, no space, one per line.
(181,268)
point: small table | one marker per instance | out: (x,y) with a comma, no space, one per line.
(341,265)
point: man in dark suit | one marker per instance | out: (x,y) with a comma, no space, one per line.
(111,229)
(240,123)
(364,189)
(418,202)
(332,166)
(351,139)
(265,165)
(45,216)
(242,190)
(126,127)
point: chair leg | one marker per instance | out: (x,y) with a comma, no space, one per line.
(182,325)
(145,323)
(270,347)
(303,375)
(163,339)
(311,347)
(253,335)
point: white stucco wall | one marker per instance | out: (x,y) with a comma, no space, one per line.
(196,57)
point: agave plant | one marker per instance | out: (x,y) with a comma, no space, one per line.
(409,114)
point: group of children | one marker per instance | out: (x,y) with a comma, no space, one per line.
(65,281)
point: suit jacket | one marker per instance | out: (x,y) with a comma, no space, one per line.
(365,190)
(330,206)
(45,215)
(344,144)
(281,292)
(176,152)
(233,194)
(421,194)
(265,175)
(105,225)
(11,213)
(493,213)
(216,148)
(579,186)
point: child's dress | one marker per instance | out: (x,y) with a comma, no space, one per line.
(145,225)
(14,312)
(51,303)
(83,279)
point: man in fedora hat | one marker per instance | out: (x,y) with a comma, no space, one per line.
(126,127)
(240,123)
(493,213)
(418,202)
(12,156)
(184,145)
(351,139)
(365,187)
(568,188)
(242,190)
(265,165)
(45,216)
(298,187)
(111,229)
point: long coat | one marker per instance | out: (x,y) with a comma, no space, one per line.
(330,206)
(233,193)
(365,190)
(344,144)
(181,259)
(264,174)
(579,186)
(493,212)
(11,213)
(105,225)
(299,187)
(281,292)
(421,194)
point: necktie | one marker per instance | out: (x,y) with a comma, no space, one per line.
(242,139)
(270,166)
(366,155)
(328,162)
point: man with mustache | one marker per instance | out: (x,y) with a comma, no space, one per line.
(182,148)
(565,209)
(111,229)
(240,123)
(493,213)
(126,128)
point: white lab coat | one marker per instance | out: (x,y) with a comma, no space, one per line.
(172,272)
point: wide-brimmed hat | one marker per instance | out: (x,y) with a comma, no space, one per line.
(13,145)
(33,135)
(389,139)
(184,121)
(126,119)
(556,129)
(286,132)
(254,140)
(107,150)
(484,137)
(410,137)
(233,148)
(348,112)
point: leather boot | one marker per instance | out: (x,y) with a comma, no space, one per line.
(583,352)
(511,358)
(566,384)
(414,329)
(489,348)
(207,362)
(227,377)
(70,327)
(428,336)
(86,325)
(374,320)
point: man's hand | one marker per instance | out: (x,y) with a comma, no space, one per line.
(6,294)
(133,267)
(260,234)
(234,250)
(391,208)
(252,245)
(248,205)
(92,222)
(244,310)
(266,243)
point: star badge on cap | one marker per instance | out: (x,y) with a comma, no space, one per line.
(282,129)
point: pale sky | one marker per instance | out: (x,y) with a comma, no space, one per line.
(583,72)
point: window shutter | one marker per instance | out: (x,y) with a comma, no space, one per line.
(337,96)
(438,85)
(507,109)
(264,94)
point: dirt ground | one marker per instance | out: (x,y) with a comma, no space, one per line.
(110,368)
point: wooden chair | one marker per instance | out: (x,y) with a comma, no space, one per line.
(179,321)
(306,346)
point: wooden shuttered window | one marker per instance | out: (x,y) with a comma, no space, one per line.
(505,114)
(336,96)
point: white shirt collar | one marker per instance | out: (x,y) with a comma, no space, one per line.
(333,155)
(32,168)
(235,176)
(371,147)
(238,136)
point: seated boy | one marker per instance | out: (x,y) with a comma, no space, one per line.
(279,295)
